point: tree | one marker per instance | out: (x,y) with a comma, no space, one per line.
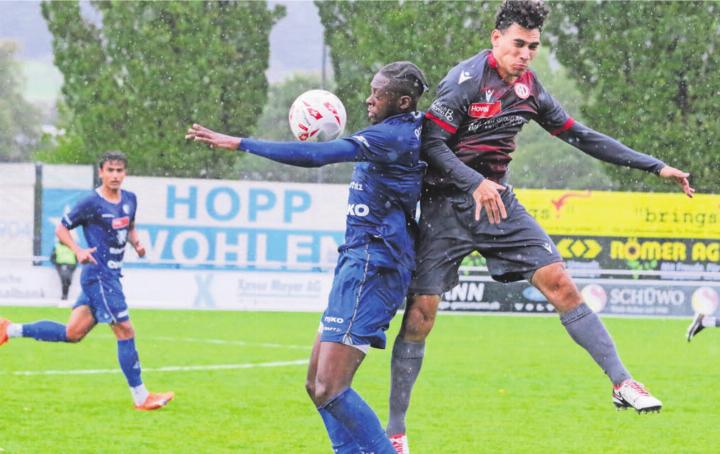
(19,120)
(650,72)
(137,80)
(544,161)
(363,36)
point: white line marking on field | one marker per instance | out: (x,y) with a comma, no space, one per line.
(297,362)
(218,342)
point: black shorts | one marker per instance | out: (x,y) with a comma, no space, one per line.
(448,232)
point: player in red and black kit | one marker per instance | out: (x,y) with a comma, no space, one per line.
(467,205)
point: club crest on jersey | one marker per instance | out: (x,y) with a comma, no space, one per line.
(484,109)
(522,91)
(120,223)
(126,208)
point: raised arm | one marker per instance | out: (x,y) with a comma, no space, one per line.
(607,149)
(301,154)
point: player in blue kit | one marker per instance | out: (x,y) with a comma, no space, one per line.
(108,220)
(376,261)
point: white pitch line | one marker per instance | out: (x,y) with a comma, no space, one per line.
(219,342)
(230,342)
(297,362)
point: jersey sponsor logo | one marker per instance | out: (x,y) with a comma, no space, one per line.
(442,110)
(121,236)
(464,76)
(120,223)
(358,209)
(330,319)
(522,91)
(484,109)
(114,265)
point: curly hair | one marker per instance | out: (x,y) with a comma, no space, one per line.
(529,14)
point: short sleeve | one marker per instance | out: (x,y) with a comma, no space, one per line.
(380,143)
(80,213)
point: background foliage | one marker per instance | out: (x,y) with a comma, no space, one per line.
(19,120)
(650,75)
(136,82)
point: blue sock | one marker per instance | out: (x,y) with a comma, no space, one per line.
(45,330)
(360,421)
(129,362)
(342,441)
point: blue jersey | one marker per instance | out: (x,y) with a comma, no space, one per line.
(385,187)
(105,226)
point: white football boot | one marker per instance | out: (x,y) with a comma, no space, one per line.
(632,394)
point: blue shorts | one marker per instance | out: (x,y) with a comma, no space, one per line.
(106,300)
(367,291)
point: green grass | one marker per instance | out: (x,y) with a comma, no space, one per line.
(489,384)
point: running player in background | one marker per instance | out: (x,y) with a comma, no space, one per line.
(467,205)
(699,323)
(108,220)
(376,261)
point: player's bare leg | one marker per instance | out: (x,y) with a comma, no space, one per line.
(585,327)
(407,358)
(351,423)
(80,323)
(130,365)
(699,323)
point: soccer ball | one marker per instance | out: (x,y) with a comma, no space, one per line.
(705,300)
(317,116)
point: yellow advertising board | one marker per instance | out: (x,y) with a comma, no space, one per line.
(624,214)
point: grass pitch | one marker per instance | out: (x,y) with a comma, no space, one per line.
(489,384)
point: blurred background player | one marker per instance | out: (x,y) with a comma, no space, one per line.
(376,261)
(65,263)
(468,135)
(699,323)
(107,216)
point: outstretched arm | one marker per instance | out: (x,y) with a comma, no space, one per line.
(301,154)
(610,150)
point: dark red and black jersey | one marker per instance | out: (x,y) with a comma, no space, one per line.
(484,113)
(477,116)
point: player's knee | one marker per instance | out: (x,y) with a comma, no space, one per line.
(321,393)
(124,331)
(566,295)
(74,336)
(310,388)
(419,318)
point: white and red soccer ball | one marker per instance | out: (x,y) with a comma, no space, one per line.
(317,116)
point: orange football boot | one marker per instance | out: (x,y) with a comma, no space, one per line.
(155,400)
